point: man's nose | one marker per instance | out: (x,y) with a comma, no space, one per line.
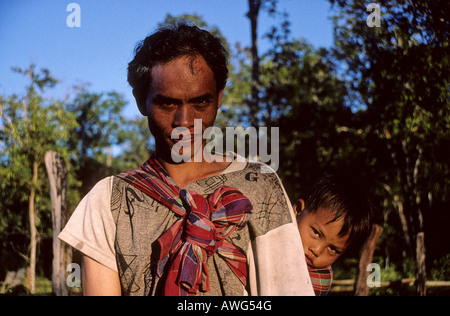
(183,117)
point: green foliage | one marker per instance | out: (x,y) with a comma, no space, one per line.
(345,268)
(137,147)
(398,76)
(30,126)
(441,270)
(302,94)
(99,120)
(374,108)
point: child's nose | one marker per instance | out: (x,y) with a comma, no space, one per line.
(317,250)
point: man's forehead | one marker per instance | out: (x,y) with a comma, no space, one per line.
(185,67)
(182,74)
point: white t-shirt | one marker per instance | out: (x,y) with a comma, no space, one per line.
(275,257)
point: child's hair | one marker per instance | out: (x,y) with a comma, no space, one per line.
(346,201)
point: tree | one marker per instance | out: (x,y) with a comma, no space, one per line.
(254,7)
(300,93)
(398,74)
(304,97)
(100,127)
(30,126)
(253,13)
(137,147)
(99,120)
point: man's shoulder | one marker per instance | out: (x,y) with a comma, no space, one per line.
(101,188)
(262,186)
(259,172)
(242,164)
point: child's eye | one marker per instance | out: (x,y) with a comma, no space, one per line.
(315,232)
(334,251)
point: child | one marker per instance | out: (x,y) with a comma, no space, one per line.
(332,216)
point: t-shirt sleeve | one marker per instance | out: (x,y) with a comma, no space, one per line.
(91,228)
(277,265)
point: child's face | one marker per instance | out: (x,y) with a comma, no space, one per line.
(321,241)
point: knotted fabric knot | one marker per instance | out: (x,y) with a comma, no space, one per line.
(201,231)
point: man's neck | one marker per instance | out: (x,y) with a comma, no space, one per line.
(188,172)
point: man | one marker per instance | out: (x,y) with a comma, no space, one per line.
(195,227)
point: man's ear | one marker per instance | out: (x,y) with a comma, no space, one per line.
(298,207)
(141,103)
(219,98)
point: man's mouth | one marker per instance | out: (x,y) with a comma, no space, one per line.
(186,140)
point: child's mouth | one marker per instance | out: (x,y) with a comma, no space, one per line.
(308,261)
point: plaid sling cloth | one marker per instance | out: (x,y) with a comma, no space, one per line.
(321,280)
(200,232)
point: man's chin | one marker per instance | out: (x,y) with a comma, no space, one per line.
(182,154)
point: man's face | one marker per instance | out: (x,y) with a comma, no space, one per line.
(321,241)
(182,90)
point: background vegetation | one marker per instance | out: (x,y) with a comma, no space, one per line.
(375,108)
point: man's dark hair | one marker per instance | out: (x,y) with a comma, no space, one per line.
(345,200)
(170,43)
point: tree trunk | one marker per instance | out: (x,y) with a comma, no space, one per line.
(31,273)
(421,267)
(108,157)
(398,204)
(57,175)
(404,223)
(254,6)
(361,287)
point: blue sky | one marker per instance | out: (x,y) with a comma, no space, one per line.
(35,31)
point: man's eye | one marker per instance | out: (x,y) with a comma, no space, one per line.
(202,103)
(165,102)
